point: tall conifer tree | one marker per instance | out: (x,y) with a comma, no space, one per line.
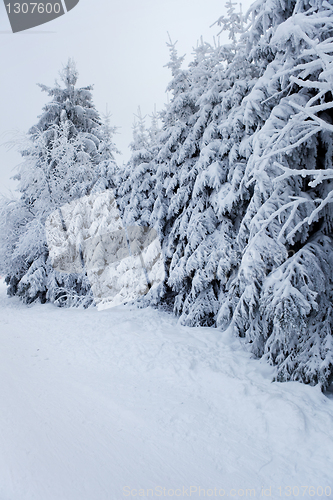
(68,154)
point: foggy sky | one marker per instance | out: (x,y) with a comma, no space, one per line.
(119,47)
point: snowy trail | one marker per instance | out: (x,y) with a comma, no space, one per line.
(94,402)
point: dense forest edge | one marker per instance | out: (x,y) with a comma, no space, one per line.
(235,175)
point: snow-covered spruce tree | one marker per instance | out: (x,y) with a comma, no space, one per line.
(281,297)
(172,196)
(202,129)
(136,181)
(67,155)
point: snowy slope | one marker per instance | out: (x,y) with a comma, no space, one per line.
(96,404)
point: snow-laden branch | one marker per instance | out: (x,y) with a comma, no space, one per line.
(320,175)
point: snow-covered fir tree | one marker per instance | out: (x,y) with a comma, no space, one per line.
(176,147)
(136,191)
(197,156)
(67,155)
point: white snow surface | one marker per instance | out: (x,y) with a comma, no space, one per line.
(125,402)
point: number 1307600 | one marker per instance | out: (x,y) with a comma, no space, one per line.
(33,8)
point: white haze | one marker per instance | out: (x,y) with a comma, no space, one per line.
(120,47)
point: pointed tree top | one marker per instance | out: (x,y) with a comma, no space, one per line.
(69,74)
(175,61)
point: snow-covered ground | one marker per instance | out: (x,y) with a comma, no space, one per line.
(124,402)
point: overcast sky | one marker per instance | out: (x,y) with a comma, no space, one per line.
(119,47)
